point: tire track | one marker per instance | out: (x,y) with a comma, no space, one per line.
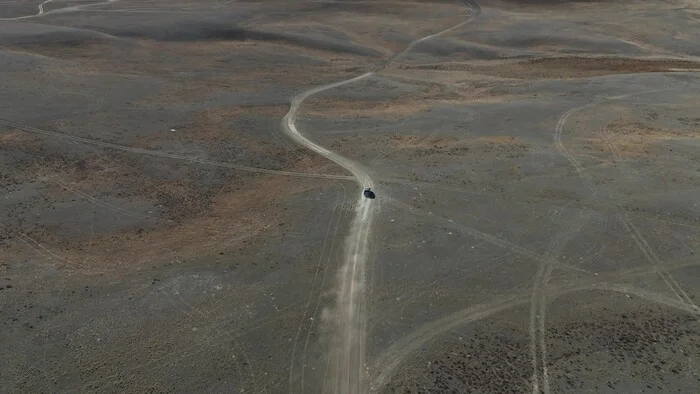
(486,237)
(40,12)
(631,230)
(637,236)
(648,252)
(155,153)
(538,302)
(100,203)
(334,218)
(390,359)
(323,281)
(530,199)
(347,353)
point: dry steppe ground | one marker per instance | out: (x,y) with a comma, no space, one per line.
(537,179)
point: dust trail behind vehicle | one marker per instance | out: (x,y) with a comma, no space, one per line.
(346,355)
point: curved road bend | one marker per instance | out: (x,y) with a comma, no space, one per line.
(41,12)
(346,356)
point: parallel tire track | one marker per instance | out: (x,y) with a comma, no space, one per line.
(538,303)
(333,224)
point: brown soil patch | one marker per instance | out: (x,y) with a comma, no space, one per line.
(235,218)
(207,54)
(191,89)
(334,108)
(620,128)
(200,68)
(468,85)
(564,67)
(398,107)
(501,140)
(92,172)
(88,59)
(416,142)
(428,145)
(433,93)
(621,148)
(94,169)
(203,224)
(620,65)
(214,125)
(634,139)
(14,138)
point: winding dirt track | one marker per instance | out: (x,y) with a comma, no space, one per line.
(347,353)
(40,11)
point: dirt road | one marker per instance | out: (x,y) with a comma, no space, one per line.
(347,355)
(41,12)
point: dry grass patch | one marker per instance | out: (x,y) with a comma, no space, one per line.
(458,146)
(336,108)
(16,138)
(233,219)
(564,67)
(634,139)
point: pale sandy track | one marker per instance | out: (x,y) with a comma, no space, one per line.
(347,353)
(346,373)
(41,12)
